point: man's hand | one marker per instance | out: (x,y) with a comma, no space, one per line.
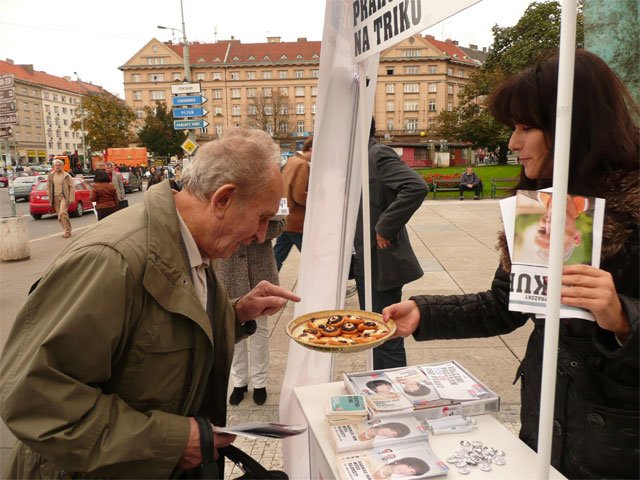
(593,289)
(382,242)
(265,299)
(469,185)
(192,455)
(406,315)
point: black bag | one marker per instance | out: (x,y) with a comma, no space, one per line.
(123,204)
(251,468)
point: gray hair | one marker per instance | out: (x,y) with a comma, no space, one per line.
(242,156)
(57,161)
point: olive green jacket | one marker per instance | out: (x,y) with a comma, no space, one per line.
(112,351)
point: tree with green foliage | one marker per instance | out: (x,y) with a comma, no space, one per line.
(106,121)
(535,36)
(158,134)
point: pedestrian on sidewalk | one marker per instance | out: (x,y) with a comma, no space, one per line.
(296,183)
(116,178)
(396,191)
(597,402)
(61,193)
(241,272)
(128,335)
(104,195)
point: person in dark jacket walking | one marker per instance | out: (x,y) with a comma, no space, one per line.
(396,192)
(104,195)
(596,413)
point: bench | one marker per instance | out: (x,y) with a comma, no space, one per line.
(502,184)
(442,185)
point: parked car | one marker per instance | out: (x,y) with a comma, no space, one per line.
(131,182)
(22,186)
(39,200)
(4,180)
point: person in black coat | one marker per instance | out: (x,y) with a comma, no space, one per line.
(596,416)
(395,193)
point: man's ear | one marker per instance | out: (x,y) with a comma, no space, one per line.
(222,198)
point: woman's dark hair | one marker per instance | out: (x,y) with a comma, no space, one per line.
(421,391)
(373,384)
(604,129)
(420,466)
(101,176)
(400,428)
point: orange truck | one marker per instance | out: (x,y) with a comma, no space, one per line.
(131,157)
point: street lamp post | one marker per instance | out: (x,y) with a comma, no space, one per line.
(84,145)
(185,57)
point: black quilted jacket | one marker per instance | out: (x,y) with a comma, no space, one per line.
(597,391)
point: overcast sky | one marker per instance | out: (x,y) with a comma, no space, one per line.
(94,38)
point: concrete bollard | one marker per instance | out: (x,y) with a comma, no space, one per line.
(14,238)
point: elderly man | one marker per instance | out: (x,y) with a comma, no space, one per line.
(128,335)
(61,193)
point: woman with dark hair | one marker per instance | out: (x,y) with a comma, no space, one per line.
(405,467)
(104,194)
(596,415)
(154,177)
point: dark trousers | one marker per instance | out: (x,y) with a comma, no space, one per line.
(391,353)
(283,246)
(476,188)
(105,212)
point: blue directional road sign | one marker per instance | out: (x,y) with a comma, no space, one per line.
(189,112)
(188,100)
(189,124)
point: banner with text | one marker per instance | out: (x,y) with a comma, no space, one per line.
(380,24)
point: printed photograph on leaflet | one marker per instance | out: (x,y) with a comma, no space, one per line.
(369,434)
(416,387)
(380,394)
(530,235)
(451,382)
(412,461)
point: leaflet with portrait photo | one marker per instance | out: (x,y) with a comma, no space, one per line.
(416,387)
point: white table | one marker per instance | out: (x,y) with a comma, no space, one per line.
(521,460)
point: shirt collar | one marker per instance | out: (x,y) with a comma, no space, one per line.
(195,259)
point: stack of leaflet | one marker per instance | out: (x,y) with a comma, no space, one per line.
(342,409)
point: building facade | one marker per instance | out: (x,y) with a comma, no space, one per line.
(274,85)
(46,106)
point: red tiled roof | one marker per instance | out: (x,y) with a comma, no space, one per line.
(243,51)
(451,50)
(45,79)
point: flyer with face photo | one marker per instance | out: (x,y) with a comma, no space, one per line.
(380,393)
(416,387)
(410,462)
(527,221)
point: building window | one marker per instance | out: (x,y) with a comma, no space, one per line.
(411,124)
(389,70)
(137,94)
(251,93)
(313,108)
(284,110)
(235,110)
(411,106)
(390,107)
(411,88)
(300,127)
(45,95)
(251,75)
(450,71)
(218,129)
(299,73)
(156,77)
(450,88)
(201,76)
(235,93)
(267,91)
(284,91)
(449,106)
(391,88)
(315,73)
(234,75)
(266,74)
(217,93)
(412,52)
(217,111)
(253,110)
(282,74)
(270,128)
(176,76)
(268,110)
(216,76)
(412,70)
(139,112)
(432,106)
(432,88)
(314,91)
(135,77)
(461,73)
(157,94)
(300,108)
(389,124)
(25,106)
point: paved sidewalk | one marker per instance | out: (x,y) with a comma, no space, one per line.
(455,243)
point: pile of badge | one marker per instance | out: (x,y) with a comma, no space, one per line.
(476,454)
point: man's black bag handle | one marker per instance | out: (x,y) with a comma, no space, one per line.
(208,467)
(251,468)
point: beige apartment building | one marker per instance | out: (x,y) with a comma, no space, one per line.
(46,106)
(274,85)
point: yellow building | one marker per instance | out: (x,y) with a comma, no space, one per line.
(274,85)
